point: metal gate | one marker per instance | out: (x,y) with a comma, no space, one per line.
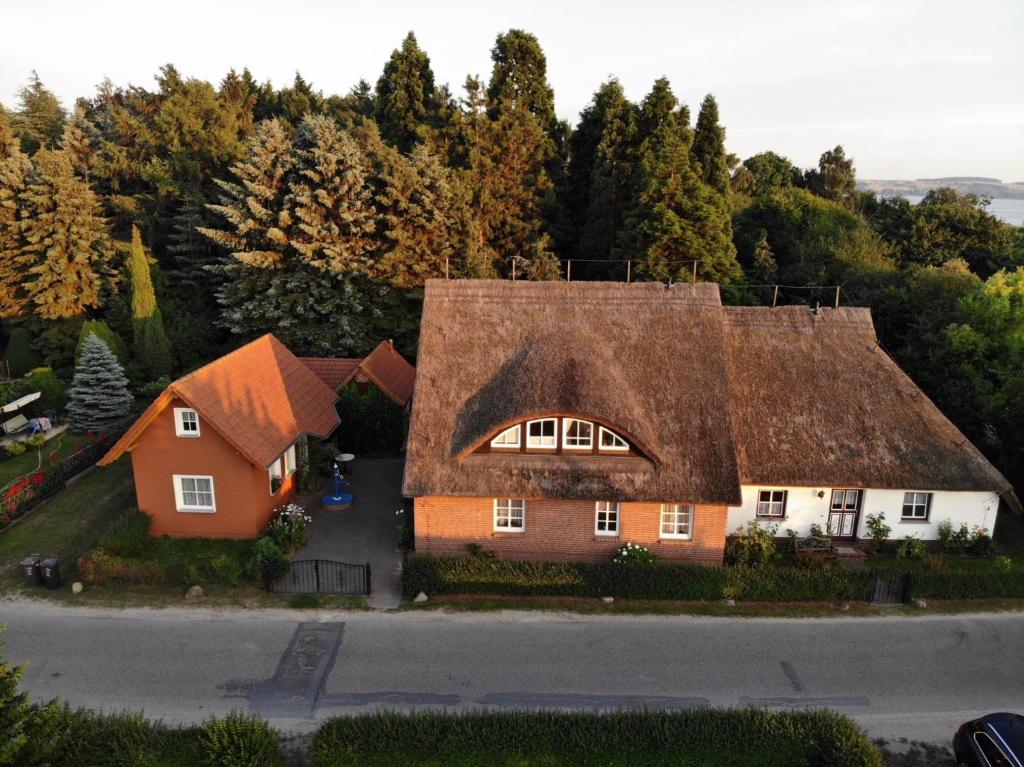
(891,587)
(324,576)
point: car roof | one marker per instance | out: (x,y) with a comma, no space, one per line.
(1010,728)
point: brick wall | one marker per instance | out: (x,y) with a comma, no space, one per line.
(562,530)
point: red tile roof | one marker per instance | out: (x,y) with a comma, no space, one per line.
(333,371)
(260,398)
(388,370)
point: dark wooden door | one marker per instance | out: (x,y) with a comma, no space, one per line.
(843,513)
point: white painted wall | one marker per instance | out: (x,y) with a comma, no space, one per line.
(804,508)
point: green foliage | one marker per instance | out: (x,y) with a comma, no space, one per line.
(372,422)
(99,391)
(406,107)
(633,554)
(240,740)
(110,338)
(970,584)
(150,341)
(36,441)
(695,736)
(268,562)
(835,177)
(14,449)
(42,380)
(709,147)
(1002,564)
(911,548)
(964,540)
(15,714)
(878,530)
(128,534)
(39,120)
(14,171)
(289,527)
(753,544)
(21,357)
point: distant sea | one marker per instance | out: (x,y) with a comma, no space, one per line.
(1010,211)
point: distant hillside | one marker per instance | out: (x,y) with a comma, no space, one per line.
(987,187)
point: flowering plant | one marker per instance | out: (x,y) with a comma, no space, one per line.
(288,527)
(634,554)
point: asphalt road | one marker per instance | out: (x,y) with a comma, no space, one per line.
(899,677)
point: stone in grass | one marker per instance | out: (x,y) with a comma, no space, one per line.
(844,606)
(194,592)
(729,602)
(607,600)
(920,604)
(76,587)
(420,598)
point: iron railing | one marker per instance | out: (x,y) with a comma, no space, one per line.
(324,576)
(891,587)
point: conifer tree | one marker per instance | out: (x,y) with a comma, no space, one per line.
(406,107)
(709,147)
(108,336)
(193,254)
(14,171)
(99,390)
(65,246)
(150,341)
(40,120)
(765,269)
(519,78)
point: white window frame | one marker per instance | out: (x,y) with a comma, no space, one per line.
(918,499)
(290,463)
(518,429)
(566,425)
(179,422)
(514,507)
(531,440)
(612,512)
(675,510)
(771,503)
(844,507)
(281,469)
(179,495)
(616,448)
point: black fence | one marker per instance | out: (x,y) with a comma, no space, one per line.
(47,481)
(891,587)
(324,576)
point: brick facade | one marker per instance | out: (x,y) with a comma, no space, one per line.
(561,530)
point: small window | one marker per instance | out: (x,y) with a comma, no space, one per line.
(676,520)
(289,461)
(509,515)
(194,493)
(609,440)
(771,503)
(606,521)
(508,438)
(542,433)
(186,422)
(916,505)
(577,435)
(845,500)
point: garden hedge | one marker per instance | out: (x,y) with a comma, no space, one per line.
(968,584)
(499,577)
(753,737)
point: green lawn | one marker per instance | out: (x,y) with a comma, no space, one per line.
(63,445)
(68,524)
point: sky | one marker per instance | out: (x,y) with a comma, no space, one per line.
(910,88)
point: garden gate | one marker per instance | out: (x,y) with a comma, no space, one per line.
(324,576)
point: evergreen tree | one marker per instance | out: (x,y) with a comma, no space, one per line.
(765,269)
(16,714)
(519,78)
(191,277)
(150,341)
(709,147)
(40,120)
(406,106)
(99,390)
(21,357)
(65,251)
(14,171)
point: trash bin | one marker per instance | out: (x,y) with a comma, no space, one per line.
(33,574)
(51,572)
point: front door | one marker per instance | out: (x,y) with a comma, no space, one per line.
(842,514)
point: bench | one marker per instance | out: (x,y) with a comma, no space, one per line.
(14,425)
(813,544)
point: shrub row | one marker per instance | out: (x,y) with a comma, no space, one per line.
(967,584)
(485,575)
(691,737)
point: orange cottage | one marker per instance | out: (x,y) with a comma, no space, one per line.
(217,451)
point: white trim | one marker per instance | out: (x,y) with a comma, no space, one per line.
(600,441)
(179,494)
(513,503)
(770,504)
(566,423)
(530,443)
(518,429)
(675,509)
(179,422)
(914,504)
(611,507)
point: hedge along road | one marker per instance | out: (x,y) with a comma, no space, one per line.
(899,677)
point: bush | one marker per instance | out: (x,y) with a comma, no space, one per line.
(633,554)
(289,527)
(969,584)
(21,357)
(963,540)
(52,394)
(128,534)
(912,548)
(878,531)
(751,545)
(227,570)
(113,341)
(981,543)
(268,562)
(14,449)
(99,568)
(36,441)
(240,740)
(1002,564)
(694,736)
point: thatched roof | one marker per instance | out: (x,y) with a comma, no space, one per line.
(816,401)
(712,397)
(646,359)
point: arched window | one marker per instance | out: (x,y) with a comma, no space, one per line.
(577,434)
(508,438)
(609,440)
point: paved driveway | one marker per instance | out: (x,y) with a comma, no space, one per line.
(367,532)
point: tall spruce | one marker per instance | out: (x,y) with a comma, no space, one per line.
(152,348)
(519,78)
(709,147)
(14,171)
(39,121)
(405,103)
(99,392)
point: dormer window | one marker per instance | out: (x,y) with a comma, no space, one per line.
(186,422)
(508,439)
(542,433)
(609,440)
(577,435)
